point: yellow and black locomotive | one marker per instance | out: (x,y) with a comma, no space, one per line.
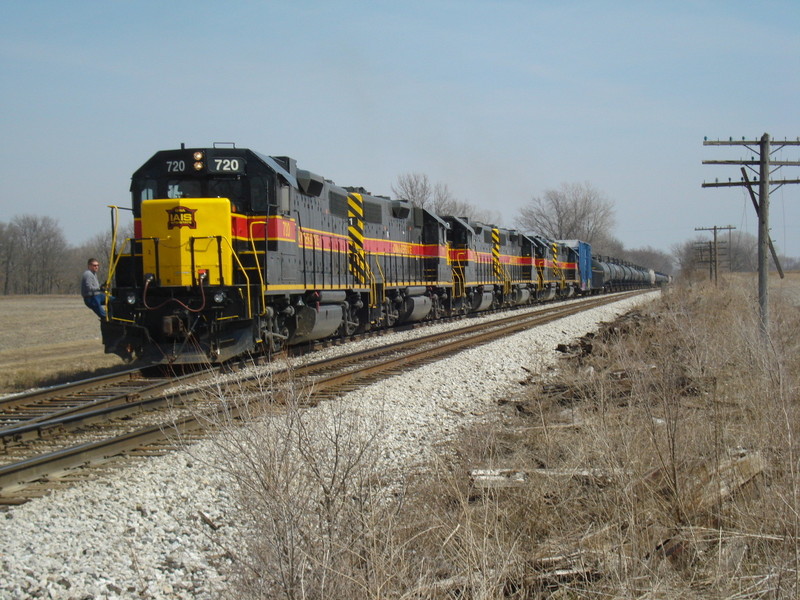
(236,252)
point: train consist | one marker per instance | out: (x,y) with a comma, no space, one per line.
(236,252)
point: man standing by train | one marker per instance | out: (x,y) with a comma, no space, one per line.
(93,296)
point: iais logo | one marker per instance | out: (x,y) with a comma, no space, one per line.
(180,216)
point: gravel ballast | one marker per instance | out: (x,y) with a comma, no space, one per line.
(162,527)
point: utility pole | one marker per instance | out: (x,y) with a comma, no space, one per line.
(715,252)
(765,147)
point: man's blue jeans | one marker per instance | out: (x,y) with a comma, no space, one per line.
(97,304)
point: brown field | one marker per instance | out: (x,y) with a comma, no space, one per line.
(48,339)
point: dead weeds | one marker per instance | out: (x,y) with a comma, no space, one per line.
(660,462)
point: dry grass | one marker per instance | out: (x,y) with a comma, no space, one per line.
(676,474)
(48,339)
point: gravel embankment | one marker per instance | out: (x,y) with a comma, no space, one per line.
(143,530)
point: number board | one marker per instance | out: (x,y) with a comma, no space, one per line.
(225,164)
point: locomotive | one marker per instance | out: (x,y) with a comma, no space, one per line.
(237,252)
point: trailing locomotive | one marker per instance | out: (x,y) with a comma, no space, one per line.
(235,252)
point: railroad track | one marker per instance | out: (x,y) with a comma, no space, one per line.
(36,419)
(89,435)
(74,398)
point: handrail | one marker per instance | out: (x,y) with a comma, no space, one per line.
(255,251)
(383,278)
(301,243)
(460,281)
(220,239)
(246,278)
(506,279)
(112,252)
(235,255)
(373,285)
(557,269)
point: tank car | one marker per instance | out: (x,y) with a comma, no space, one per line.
(614,275)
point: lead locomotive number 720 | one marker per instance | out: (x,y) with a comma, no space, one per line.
(237,252)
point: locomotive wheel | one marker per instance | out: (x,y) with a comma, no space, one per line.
(390,315)
(349,325)
(276,339)
(438,310)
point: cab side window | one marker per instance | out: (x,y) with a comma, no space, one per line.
(144,189)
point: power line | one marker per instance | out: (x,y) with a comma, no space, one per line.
(764,149)
(715,254)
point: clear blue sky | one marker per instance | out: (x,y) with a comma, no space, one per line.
(501,100)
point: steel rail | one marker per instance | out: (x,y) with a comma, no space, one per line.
(86,409)
(33,396)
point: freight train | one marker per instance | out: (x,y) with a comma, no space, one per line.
(237,252)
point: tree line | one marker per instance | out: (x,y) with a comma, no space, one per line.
(737,252)
(35,257)
(580,211)
(574,211)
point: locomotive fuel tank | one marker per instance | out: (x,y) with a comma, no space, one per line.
(521,295)
(317,322)
(415,308)
(482,300)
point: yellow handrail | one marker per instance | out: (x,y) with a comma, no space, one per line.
(506,280)
(238,262)
(112,252)
(241,267)
(460,282)
(373,284)
(255,251)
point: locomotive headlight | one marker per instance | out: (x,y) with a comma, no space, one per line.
(130,298)
(198,166)
(198,156)
(219,297)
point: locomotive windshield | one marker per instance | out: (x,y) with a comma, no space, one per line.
(183,189)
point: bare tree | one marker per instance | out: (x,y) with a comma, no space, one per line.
(788,263)
(7,255)
(34,253)
(437,198)
(738,253)
(608,245)
(414,187)
(445,203)
(743,252)
(99,244)
(650,258)
(575,211)
(686,257)
(42,248)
